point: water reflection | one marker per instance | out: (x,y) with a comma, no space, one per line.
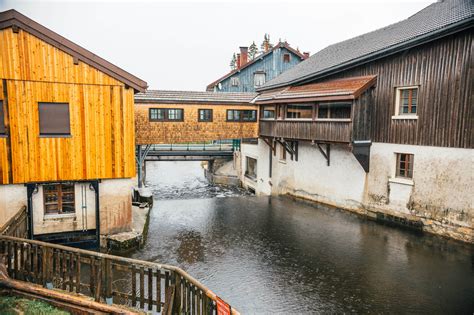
(277,255)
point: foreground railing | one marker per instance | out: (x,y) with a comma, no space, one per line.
(112,279)
(17,226)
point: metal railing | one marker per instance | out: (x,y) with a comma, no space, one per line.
(143,285)
(17,226)
(203,146)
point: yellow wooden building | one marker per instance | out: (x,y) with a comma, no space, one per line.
(169,117)
(66,134)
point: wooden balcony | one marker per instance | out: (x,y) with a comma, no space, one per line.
(338,131)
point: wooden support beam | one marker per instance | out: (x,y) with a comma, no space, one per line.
(327,153)
(291,147)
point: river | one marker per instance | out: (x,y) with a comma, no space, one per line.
(278,255)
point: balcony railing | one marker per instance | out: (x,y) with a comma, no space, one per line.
(335,130)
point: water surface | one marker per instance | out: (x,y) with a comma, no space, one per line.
(278,255)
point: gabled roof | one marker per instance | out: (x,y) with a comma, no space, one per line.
(438,19)
(13,18)
(251,62)
(192,97)
(340,89)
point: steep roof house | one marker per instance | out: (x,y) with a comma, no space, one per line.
(252,74)
(66,135)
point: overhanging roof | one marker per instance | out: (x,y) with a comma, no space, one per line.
(13,18)
(436,20)
(193,97)
(340,89)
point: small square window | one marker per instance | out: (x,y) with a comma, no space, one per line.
(54,119)
(406,101)
(404,165)
(157,114)
(205,115)
(259,79)
(286,58)
(251,168)
(3,130)
(234,81)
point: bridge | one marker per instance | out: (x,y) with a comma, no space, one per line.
(191,152)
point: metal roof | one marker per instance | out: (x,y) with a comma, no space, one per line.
(13,18)
(346,88)
(166,96)
(437,19)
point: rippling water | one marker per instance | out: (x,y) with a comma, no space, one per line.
(278,255)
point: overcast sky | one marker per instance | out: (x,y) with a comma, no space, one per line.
(185,45)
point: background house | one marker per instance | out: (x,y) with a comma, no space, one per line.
(252,74)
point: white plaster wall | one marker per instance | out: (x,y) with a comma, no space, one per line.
(12,199)
(55,223)
(262,185)
(442,185)
(115,205)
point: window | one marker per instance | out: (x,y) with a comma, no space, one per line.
(282,153)
(286,58)
(404,165)
(269,112)
(175,114)
(54,119)
(251,168)
(334,111)
(2,120)
(406,101)
(59,199)
(258,79)
(165,114)
(234,81)
(205,115)
(299,111)
(157,114)
(241,115)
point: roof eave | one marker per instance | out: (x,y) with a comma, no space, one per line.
(453,28)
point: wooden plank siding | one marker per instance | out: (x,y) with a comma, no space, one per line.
(321,131)
(102,141)
(192,130)
(443,71)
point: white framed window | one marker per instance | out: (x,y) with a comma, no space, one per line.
(234,81)
(406,103)
(258,79)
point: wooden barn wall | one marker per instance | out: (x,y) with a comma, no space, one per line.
(191,130)
(101,144)
(443,71)
(361,119)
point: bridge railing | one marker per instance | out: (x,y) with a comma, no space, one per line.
(143,285)
(202,146)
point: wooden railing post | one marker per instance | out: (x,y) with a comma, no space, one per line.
(46,264)
(177,295)
(108,281)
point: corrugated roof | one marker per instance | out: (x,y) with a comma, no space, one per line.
(346,88)
(13,18)
(436,17)
(166,96)
(279,45)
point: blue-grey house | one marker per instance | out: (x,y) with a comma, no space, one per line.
(252,74)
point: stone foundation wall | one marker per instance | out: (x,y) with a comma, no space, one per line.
(439,195)
(115,205)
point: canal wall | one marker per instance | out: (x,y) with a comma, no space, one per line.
(439,197)
(223,171)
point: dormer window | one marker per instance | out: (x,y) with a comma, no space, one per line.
(286,58)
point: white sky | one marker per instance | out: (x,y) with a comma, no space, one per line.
(185,45)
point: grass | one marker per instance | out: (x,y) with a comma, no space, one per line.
(13,306)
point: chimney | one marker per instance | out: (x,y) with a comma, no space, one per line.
(244,52)
(238,61)
(266,46)
(306,55)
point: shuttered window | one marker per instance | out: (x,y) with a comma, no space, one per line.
(2,120)
(54,119)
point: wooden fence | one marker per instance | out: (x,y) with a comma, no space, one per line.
(17,226)
(112,279)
